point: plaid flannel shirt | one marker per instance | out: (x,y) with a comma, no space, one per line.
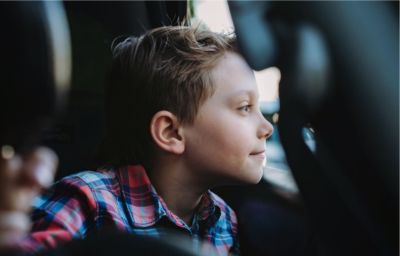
(122,199)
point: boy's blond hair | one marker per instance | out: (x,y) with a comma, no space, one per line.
(167,68)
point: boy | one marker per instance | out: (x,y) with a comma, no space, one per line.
(183,117)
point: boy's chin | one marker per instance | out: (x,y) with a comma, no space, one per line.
(250,178)
(255,177)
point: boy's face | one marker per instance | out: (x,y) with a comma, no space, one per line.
(226,142)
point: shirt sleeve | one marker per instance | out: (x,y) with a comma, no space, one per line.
(62,213)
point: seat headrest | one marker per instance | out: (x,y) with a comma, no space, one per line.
(35,70)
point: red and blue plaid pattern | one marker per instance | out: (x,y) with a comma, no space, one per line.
(122,199)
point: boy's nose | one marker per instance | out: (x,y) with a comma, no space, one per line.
(266,129)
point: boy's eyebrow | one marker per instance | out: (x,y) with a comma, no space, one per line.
(242,92)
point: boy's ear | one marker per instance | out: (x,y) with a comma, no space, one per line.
(166,132)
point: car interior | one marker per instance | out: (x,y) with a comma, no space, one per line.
(340,75)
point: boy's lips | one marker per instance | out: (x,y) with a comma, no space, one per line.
(260,153)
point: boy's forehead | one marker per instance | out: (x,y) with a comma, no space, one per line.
(233,60)
(233,76)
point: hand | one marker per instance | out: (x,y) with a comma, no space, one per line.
(21,179)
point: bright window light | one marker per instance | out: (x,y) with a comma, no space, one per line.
(268,83)
(215,14)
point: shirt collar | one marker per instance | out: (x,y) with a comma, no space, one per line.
(146,207)
(207,208)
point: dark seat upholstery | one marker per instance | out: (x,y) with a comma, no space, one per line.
(35,70)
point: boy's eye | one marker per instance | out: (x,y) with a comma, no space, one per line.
(245,108)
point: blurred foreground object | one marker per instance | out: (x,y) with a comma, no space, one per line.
(21,179)
(34,81)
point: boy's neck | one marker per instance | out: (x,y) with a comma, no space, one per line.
(177,186)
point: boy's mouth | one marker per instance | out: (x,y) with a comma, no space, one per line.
(260,153)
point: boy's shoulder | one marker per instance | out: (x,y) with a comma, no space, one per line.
(95,179)
(86,187)
(88,183)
